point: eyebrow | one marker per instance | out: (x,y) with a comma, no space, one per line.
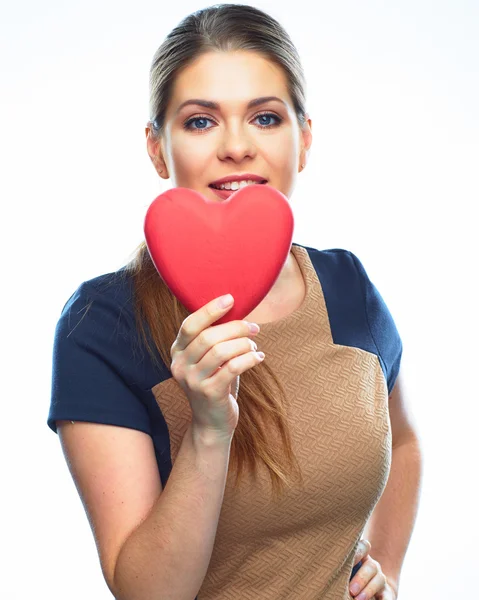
(215,105)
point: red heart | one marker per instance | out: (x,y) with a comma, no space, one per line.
(203,249)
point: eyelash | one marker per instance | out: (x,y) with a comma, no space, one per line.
(187,124)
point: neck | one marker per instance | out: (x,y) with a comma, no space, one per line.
(288,273)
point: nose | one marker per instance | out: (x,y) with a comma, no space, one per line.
(236,144)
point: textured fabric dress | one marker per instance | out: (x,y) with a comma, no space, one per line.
(337,357)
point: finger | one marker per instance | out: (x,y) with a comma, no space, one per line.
(221,353)
(365,574)
(374,586)
(200,319)
(213,336)
(230,371)
(362,550)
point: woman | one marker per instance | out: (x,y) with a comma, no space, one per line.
(227,101)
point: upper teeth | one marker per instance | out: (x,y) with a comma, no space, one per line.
(235,185)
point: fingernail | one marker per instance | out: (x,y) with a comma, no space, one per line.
(362,596)
(225,301)
(253,327)
(355,588)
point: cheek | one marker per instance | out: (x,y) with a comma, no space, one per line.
(281,167)
(190,160)
(282,153)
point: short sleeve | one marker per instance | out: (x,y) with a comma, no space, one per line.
(381,325)
(93,372)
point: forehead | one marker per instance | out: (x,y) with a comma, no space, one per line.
(230,78)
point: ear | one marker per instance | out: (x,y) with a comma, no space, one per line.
(153,146)
(306,140)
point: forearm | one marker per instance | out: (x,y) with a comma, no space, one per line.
(167,556)
(390,526)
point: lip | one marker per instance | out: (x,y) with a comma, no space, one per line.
(225,194)
(238,177)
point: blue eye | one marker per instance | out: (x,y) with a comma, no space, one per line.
(188,124)
(194,120)
(268,116)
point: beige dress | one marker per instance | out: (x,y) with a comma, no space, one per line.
(303,547)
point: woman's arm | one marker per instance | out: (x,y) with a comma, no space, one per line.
(153,543)
(390,526)
(167,556)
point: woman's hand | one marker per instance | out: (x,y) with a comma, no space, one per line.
(371,582)
(207,360)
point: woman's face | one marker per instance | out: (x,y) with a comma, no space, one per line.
(202,144)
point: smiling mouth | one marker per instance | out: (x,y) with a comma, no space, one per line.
(214,187)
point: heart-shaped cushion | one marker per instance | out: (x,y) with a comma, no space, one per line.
(203,249)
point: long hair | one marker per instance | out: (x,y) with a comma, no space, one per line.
(262,400)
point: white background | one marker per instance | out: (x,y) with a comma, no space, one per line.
(393,92)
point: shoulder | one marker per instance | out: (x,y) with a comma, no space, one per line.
(338,265)
(337,268)
(101,369)
(357,312)
(96,321)
(99,320)
(110,292)
(336,256)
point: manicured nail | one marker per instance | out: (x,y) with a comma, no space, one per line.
(355,588)
(362,596)
(253,327)
(225,301)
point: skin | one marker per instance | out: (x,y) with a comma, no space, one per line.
(235,140)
